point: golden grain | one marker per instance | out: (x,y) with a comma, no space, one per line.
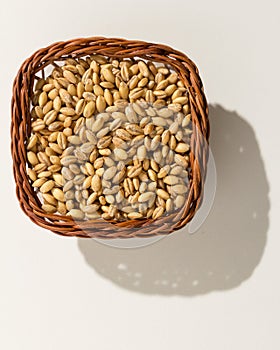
(47,186)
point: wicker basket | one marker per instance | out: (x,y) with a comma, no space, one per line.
(20,131)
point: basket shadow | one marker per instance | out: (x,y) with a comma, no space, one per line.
(229,245)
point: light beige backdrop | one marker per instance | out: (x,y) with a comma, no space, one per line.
(217,289)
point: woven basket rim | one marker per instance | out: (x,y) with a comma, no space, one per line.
(119,48)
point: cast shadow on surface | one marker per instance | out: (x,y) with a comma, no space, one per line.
(229,245)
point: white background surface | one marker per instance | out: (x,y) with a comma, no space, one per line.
(217,289)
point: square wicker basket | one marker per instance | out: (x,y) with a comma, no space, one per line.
(33,68)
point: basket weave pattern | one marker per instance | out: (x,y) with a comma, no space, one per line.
(21,127)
